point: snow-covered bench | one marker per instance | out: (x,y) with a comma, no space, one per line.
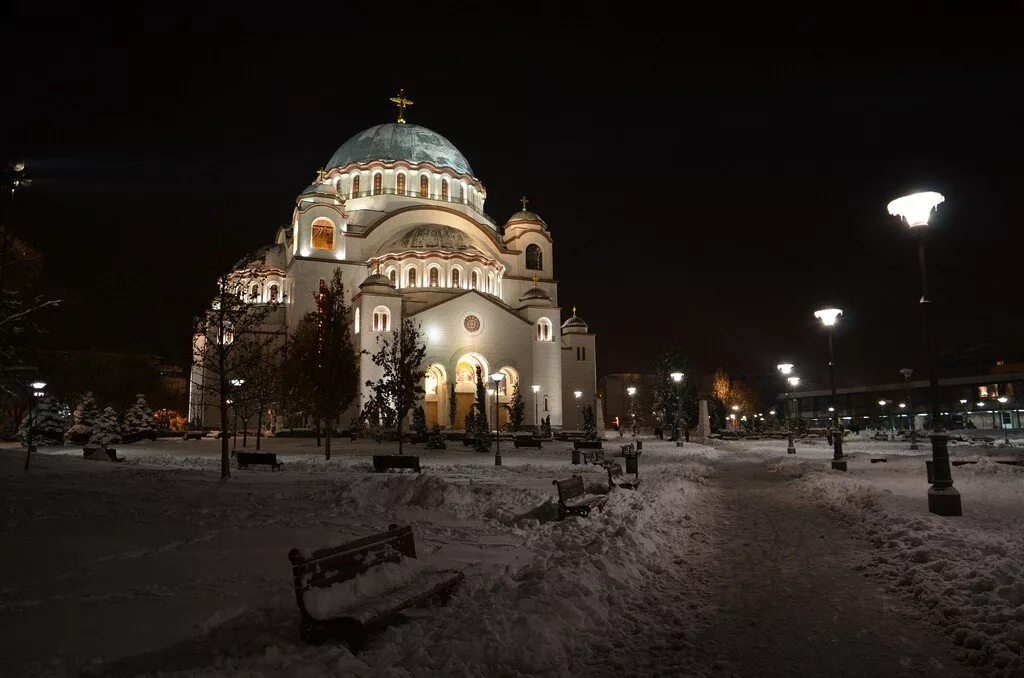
(593,456)
(247,459)
(383,462)
(347,591)
(880,435)
(194,435)
(616,478)
(573,499)
(586,445)
(526,441)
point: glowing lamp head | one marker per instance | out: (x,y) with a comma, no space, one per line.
(906,372)
(963,401)
(794,381)
(498,376)
(771,412)
(38,385)
(785,368)
(577,394)
(882,402)
(631,391)
(831,409)
(981,404)
(735,408)
(903,406)
(828,316)
(677,376)
(536,388)
(916,208)
(1003,399)
(237,382)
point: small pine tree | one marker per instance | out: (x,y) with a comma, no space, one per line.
(47,423)
(482,432)
(138,421)
(470,422)
(516,410)
(545,425)
(82,421)
(436,439)
(453,403)
(589,425)
(107,431)
(419,421)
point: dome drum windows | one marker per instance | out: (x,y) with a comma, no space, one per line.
(434,276)
(378,183)
(400,183)
(274,292)
(456,277)
(534,258)
(424,186)
(393,276)
(322,234)
(444,189)
(411,277)
(355,185)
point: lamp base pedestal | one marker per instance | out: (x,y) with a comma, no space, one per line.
(497,460)
(838,464)
(944,501)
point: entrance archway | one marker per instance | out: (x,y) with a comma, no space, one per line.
(506,387)
(435,395)
(465,384)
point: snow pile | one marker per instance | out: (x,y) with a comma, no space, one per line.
(968,578)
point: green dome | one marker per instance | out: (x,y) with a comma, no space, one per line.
(394,141)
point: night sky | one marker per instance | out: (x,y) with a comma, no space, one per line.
(699,196)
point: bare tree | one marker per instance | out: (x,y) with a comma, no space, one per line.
(262,383)
(224,338)
(400,356)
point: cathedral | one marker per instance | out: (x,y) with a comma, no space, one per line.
(400,211)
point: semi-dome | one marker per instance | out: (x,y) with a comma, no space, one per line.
(376,280)
(429,237)
(394,141)
(525,216)
(535,293)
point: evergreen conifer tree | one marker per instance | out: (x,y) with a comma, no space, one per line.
(107,431)
(138,421)
(436,439)
(47,423)
(453,404)
(516,409)
(419,421)
(83,420)
(482,431)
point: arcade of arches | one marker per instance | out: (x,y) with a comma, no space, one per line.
(437,388)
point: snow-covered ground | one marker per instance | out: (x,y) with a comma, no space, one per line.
(156,565)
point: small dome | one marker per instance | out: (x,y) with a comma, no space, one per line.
(535,293)
(574,324)
(375,280)
(526,217)
(394,141)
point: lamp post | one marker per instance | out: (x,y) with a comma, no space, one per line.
(967,411)
(497,377)
(907,373)
(1002,408)
(632,408)
(677,377)
(578,394)
(536,409)
(37,392)
(943,498)
(881,405)
(787,369)
(828,317)
(236,384)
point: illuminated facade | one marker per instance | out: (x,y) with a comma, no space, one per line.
(400,212)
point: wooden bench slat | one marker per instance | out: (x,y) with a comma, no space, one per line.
(387,604)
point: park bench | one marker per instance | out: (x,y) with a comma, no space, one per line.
(194,435)
(586,444)
(324,617)
(880,435)
(879,460)
(628,449)
(573,499)
(988,440)
(526,441)
(616,478)
(99,452)
(1008,462)
(246,459)
(593,456)
(382,462)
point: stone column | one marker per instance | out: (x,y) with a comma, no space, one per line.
(703,423)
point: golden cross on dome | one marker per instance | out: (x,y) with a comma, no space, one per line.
(402,103)
(573,311)
(524,201)
(320,174)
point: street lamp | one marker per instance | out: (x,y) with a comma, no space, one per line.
(236,383)
(37,392)
(943,498)
(497,377)
(632,407)
(828,318)
(786,369)
(1002,407)
(578,394)
(536,411)
(907,373)
(967,411)
(678,378)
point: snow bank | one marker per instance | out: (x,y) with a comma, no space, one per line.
(966,573)
(328,603)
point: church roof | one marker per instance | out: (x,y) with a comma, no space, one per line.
(535,293)
(394,141)
(429,237)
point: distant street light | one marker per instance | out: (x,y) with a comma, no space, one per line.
(967,411)
(236,383)
(907,373)
(943,498)
(536,410)
(497,377)
(786,369)
(892,433)
(577,394)
(1002,407)
(632,407)
(37,392)
(829,317)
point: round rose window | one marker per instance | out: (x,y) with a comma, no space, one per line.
(471,323)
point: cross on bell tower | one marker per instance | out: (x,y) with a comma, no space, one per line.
(524,201)
(402,102)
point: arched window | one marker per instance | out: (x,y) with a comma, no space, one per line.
(545,403)
(455,275)
(410,277)
(254,293)
(356,320)
(323,234)
(474,281)
(378,182)
(381,319)
(393,276)
(444,189)
(273,294)
(424,186)
(355,186)
(490,283)
(400,185)
(543,330)
(434,276)
(534,258)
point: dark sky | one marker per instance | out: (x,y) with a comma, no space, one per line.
(700,195)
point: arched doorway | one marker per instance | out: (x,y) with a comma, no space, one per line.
(465,384)
(506,387)
(435,395)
